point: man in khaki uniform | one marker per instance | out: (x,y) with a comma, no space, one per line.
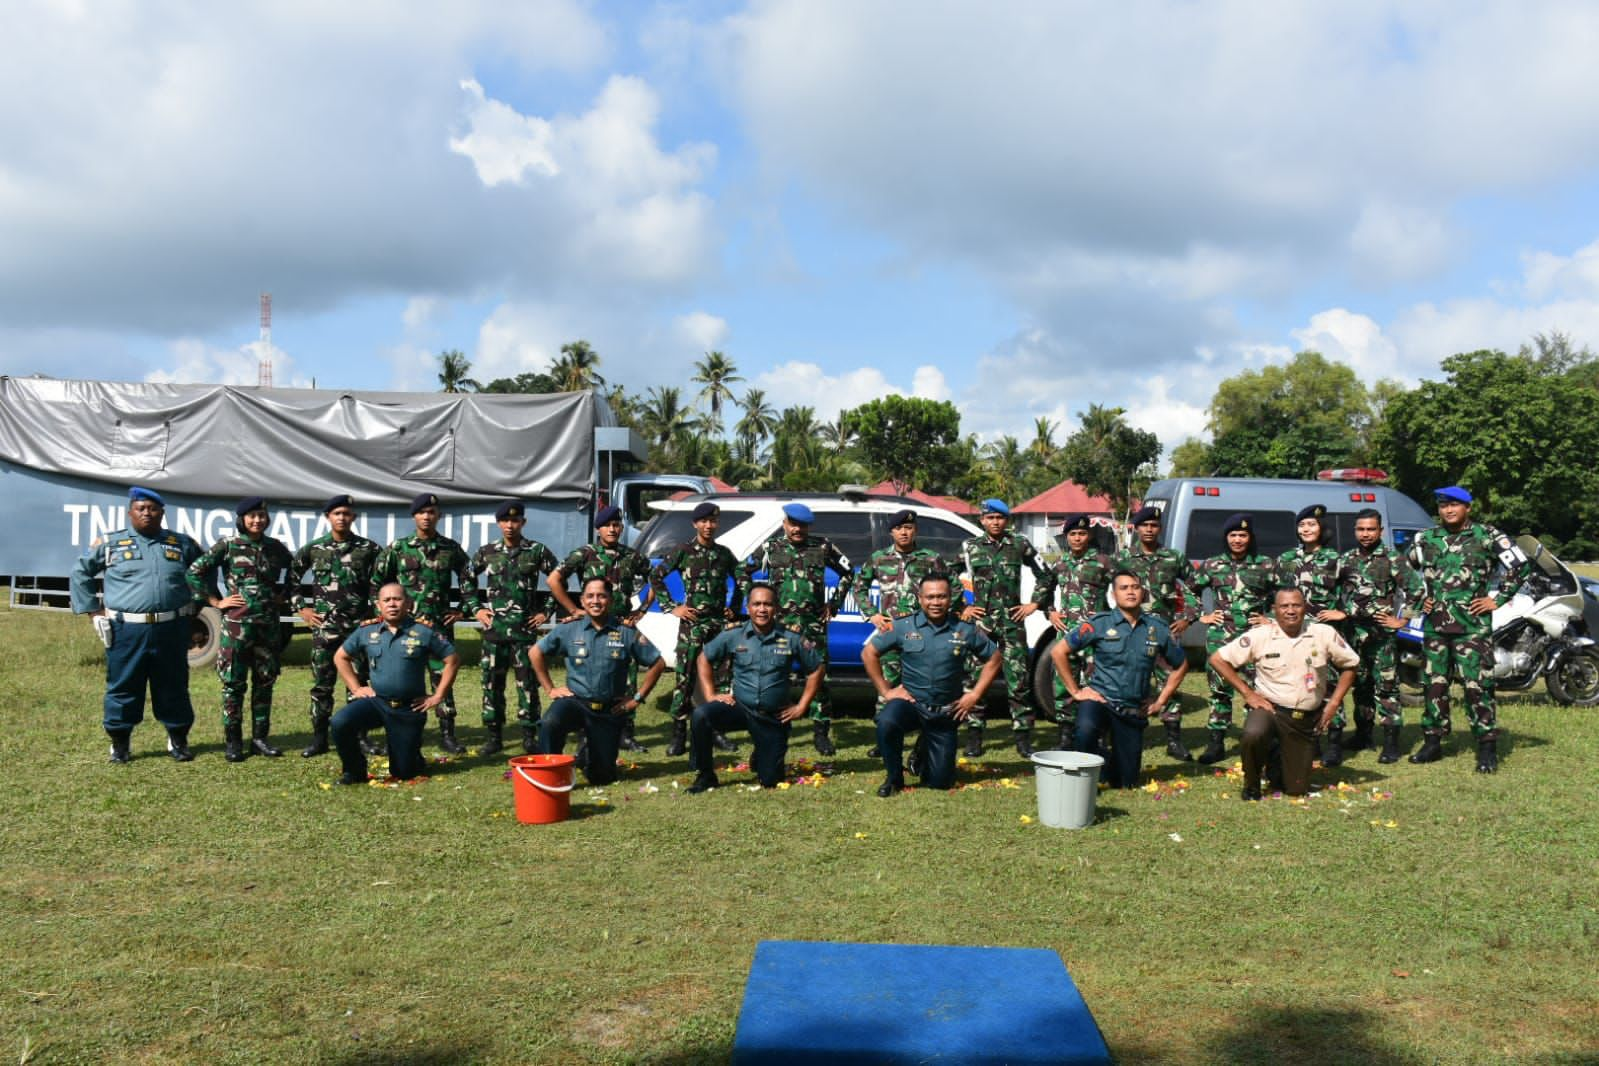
(1291,659)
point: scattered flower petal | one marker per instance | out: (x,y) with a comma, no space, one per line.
(1176,838)
(1027,819)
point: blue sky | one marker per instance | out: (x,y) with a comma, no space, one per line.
(1023,208)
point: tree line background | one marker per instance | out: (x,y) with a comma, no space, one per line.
(1520,431)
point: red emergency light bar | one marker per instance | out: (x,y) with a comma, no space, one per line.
(1201,490)
(1359,474)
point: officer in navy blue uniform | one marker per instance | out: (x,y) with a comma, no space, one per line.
(1128,644)
(596,698)
(934,647)
(764,655)
(147,606)
(396,650)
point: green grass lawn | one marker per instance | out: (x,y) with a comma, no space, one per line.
(252,913)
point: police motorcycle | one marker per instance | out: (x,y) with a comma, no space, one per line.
(1544,630)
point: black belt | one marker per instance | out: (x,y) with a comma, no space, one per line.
(397,703)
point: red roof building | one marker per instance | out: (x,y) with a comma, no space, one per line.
(1066,498)
(948,503)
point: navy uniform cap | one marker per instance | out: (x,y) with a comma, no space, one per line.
(508,509)
(423,499)
(1453,492)
(606,515)
(1146,513)
(705,510)
(138,493)
(344,499)
(905,517)
(798,512)
(248,504)
(1237,522)
(1318,511)
(995,507)
(1074,521)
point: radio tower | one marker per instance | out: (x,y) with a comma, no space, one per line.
(264,375)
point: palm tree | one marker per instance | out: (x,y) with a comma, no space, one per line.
(838,434)
(1043,449)
(664,420)
(1006,465)
(759,420)
(715,372)
(454,368)
(576,369)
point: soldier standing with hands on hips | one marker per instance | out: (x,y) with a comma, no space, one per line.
(1082,578)
(1242,581)
(1161,571)
(340,562)
(143,620)
(1372,578)
(255,571)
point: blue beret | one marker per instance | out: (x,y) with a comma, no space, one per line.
(906,517)
(425,499)
(248,504)
(1074,521)
(1239,522)
(1146,513)
(335,502)
(1453,492)
(137,493)
(705,510)
(606,515)
(1315,510)
(798,512)
(508,509)
(995,507)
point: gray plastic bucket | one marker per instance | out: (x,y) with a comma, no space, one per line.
(1068,784)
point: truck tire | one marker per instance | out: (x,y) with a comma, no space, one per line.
(205,638)
(1412,682)
(1576,681)
(1044,680)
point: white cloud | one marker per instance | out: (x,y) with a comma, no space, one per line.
(503,145)
(1391,243)
(702,331)
(196,363)
(802,384)
(1356,339)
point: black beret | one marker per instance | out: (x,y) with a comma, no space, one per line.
(1237,522)
(1146,513)
(248,504)
(1315,510)
(905,517)
(1074,521)
(424,499)
(335,502)
(508,509)
(606,515)
(705,510)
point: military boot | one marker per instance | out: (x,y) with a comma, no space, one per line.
(1333,753)
(530,740)
(580,757)
(1216,750)
(721,742)
(119,748)
(1362,738)
(233,739)
(258,740)
(319,739)
(822,738)
(370,747)
(1174,743)
(496,739)
(1068,736)
(1024,745)
(629,740)
(447,741)
(178,745)
(1431,750)
(917,762)
(1390,745)
(1487,756)
(974,744)
(679,742)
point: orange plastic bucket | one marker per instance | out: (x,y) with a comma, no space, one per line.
(542,786)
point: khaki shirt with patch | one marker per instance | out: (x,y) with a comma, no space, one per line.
(1291,671)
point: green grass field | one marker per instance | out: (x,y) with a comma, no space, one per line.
(252,913)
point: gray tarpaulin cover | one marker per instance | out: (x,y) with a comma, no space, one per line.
(384,447)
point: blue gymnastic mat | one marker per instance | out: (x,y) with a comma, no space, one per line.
(811,1002)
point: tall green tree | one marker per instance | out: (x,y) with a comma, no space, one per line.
(756,424)
(907,440)
(455,372)
(1290,420)
(577,368)
(1108,457)
(668,424)
(715,374)
(528,382)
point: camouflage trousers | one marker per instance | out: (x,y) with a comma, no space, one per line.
(324,675)
(1173,714)
(691,638)
(1376,685)
(248,659)
(1468,659)
(436,670)
(501,657)
(1063,709)
(1012,641)
(815,631)
(1221,693)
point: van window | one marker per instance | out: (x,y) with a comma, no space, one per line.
(850,531)
(943,537)
(1275,532)
(671,528)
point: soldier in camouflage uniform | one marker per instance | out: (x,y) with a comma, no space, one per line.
(340,562)
(993,569)
(503,588)
(705,567)
(1311,566)
(1455,563)
(629,575)
(423,564)
(255,570)
(1243,583)
(1372,578)
(796,565)
(1161,571)
(1082,579)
